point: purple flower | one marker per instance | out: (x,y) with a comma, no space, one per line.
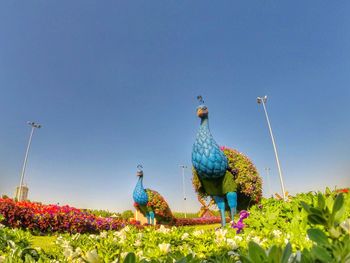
(238,226)
(243,214)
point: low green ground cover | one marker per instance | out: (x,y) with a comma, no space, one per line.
(311,227)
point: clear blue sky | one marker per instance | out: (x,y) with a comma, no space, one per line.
(114,84)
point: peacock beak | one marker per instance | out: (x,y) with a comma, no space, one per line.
(202,112)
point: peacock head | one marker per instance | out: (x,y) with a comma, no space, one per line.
(139,172)
(202,110)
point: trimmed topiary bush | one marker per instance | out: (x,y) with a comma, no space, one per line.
(245,174)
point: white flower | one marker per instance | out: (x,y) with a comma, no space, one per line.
(126,229)
(256,239)
(76,236)
(232,253)
(346,225)
(139,254)
(165,248)
(68,252)
(198,233)
(238,238)
(122,236)
(138,243)
(65,243)
(92,257)
(103,234)
(184,236)
(220,235)
(231,243)
(277,233)
(163,230)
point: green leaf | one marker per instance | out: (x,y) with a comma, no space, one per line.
(305,206)
(130,258)
(182,260)
(256,253)
(339,215)
(318,236)
(275,254)
(338,203)
(306,256)
(286,253)
(334,233)
(321,254)
(316,211)
(321,201)
(316,219)
(245,259)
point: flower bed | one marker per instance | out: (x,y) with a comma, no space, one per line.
(41,218)
(308,228)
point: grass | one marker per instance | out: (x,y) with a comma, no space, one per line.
(46,243)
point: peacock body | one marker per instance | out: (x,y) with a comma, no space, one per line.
(150,203)
(211,166)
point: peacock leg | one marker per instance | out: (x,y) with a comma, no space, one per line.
(220,201)
(148,216)
(151,213)
(232,203)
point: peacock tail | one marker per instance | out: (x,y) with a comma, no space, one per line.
(158,205)
(241,176)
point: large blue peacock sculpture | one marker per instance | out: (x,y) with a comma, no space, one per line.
(150,203)
(215,170)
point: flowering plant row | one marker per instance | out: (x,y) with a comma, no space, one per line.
(41,218)
(308,228)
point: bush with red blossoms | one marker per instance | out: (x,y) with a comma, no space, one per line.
(41,218)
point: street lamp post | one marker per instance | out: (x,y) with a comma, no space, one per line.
(34,125)
(263,102)
(183,187)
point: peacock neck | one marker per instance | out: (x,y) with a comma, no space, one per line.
(205,122)
(139,184)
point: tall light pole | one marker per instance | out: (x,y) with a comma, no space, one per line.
(34,125)
(263,102)
(183,187)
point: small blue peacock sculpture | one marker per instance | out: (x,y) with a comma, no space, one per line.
(150,203)
(211,166)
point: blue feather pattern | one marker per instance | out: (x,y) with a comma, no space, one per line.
(140,195)
(207,158)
